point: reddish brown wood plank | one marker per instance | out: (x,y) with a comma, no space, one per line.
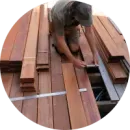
(107,40)
(7,81)
(115,70)
(29,108)
(88,99)
(23,85)
(30,86)
(60,108)
(117,73)
(85,48)
(109,27)
(119,42)
(9,42)
(76,110)
(20,41)
(42,67)
(29,61)
(45,111)
(100,48)
(16,92)
(43,41)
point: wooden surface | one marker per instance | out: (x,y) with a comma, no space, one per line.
(45,109)
(88,99)
(9,42)
(107,40)
(43,41)
(85,48)
(48,112)
(29,61)
(76,110)
(115,69)
(72,110)
(60,107)
(16,92)
(6,80)
(117,73)
(20,40)
(118,41)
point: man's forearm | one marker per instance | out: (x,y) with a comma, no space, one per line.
(63,46)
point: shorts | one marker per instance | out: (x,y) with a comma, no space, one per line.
(72,35)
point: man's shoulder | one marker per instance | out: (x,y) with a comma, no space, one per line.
(60,5)
(62,2)
(58,10)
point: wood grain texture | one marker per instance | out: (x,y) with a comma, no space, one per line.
(43,41)
(117,73)
(45,109)
(118,41)
(9,42)
(16,92)
(7,81)
(88,99)
(115,70)
(107,40)
(20,40)
(76,110)
(85,48)
(29,61)
(29,108)
(32,86)
(60,108)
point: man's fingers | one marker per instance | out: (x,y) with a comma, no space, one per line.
(83,63)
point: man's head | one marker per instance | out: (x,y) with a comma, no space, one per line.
(83,13)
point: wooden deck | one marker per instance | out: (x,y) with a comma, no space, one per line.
(73,110)
(47,88)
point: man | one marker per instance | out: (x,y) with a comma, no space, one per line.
(66,16)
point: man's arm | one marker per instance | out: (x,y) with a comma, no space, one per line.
(61,43)
(90,37)
(59,34)
(63,46)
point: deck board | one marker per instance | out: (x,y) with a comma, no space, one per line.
(45,111)
(29,61)
(43,40)
(76,110)
(21,37)
(88,99)
(56,74)
(60,107)
(16,92)
(7,81)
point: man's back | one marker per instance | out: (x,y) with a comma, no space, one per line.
(60,13)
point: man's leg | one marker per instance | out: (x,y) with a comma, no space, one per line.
(73,40)
(58,49)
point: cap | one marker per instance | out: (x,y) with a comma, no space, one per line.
(84,14)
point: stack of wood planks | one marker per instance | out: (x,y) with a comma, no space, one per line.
(42,71)
(112,48)
(43,40)
(28,73)
(14,45)
(26,47)
(61,111)
(85,48)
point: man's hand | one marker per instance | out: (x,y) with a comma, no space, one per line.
(79,63)
(63,46)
